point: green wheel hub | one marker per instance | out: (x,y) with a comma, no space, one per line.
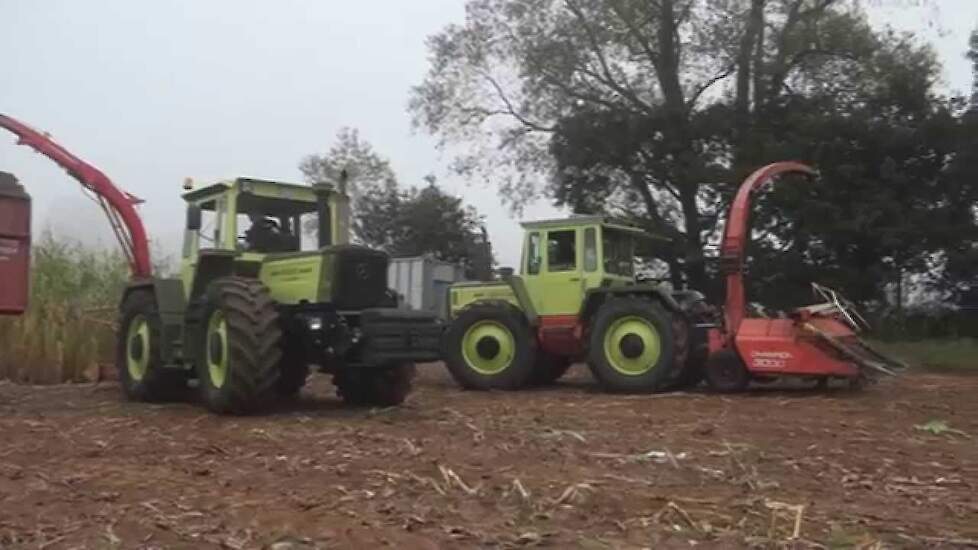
(488,347)
(632,345)
(217,348)
(137,356)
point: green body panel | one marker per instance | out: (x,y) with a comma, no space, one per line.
(463,295)
(554,288)
(297,277)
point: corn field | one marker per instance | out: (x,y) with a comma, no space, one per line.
(68,332)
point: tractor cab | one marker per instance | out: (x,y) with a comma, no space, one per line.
(563,259)
(264,217)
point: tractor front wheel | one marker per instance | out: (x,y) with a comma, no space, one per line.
(726,372)
(632,346)
(240,349)
(490,347)
(141,372)
(375,386)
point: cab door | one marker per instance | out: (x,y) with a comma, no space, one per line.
(209,235)
(553,271)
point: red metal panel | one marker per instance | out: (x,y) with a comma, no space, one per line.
(560,335)
(778,346)
(15,245)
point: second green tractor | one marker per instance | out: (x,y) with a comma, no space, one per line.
(577,299)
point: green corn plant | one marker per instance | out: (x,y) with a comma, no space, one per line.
(68,331)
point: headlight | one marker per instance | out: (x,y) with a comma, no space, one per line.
(315,323)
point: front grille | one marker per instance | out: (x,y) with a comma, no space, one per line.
(361,278)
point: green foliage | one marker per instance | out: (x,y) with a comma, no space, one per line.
(402,222)
(600,98)
(367,170)
(939,427)
(958,353)
(69,329)
(421,221)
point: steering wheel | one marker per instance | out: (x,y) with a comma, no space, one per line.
(846,309)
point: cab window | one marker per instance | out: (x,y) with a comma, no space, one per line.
(533,255)
(212,222)
(619,253)
(562,250)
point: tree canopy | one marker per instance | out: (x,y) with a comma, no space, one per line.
(658,109)
(403,222)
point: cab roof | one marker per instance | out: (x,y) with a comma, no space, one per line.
(604,221)
(222,186)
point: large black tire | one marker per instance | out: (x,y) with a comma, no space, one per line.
(490,347)
(249,351)
(549,368)
(378,386)
(293,369)
(726,372)
(624,336)
(691,364)
(141,372)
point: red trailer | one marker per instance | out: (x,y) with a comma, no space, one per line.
(15,245)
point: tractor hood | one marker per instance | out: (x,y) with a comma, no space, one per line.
(347,276)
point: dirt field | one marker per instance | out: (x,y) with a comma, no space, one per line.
(565,467)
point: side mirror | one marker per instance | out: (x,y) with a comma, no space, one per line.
(194,218)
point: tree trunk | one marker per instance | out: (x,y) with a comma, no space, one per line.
(749,71)
(899,292)
(694,261)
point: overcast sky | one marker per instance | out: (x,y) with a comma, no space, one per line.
(152,92)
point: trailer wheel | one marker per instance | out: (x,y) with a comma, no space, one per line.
(375,386)
(632,346)
(240,352)
(726,372)
(490,347)
(548,368)
(141,372)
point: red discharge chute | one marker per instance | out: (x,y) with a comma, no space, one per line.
(735,237)
(119,206)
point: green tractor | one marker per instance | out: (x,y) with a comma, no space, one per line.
(577,298)
(269,287)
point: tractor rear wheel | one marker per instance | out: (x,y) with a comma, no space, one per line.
(688,364)
(240,350)
(632,346)
(490,346)
(141,371)
(548,368)
(375,386)
(726,372)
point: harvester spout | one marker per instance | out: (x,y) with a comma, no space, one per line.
(735,237)
(818,341)
(119,206)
